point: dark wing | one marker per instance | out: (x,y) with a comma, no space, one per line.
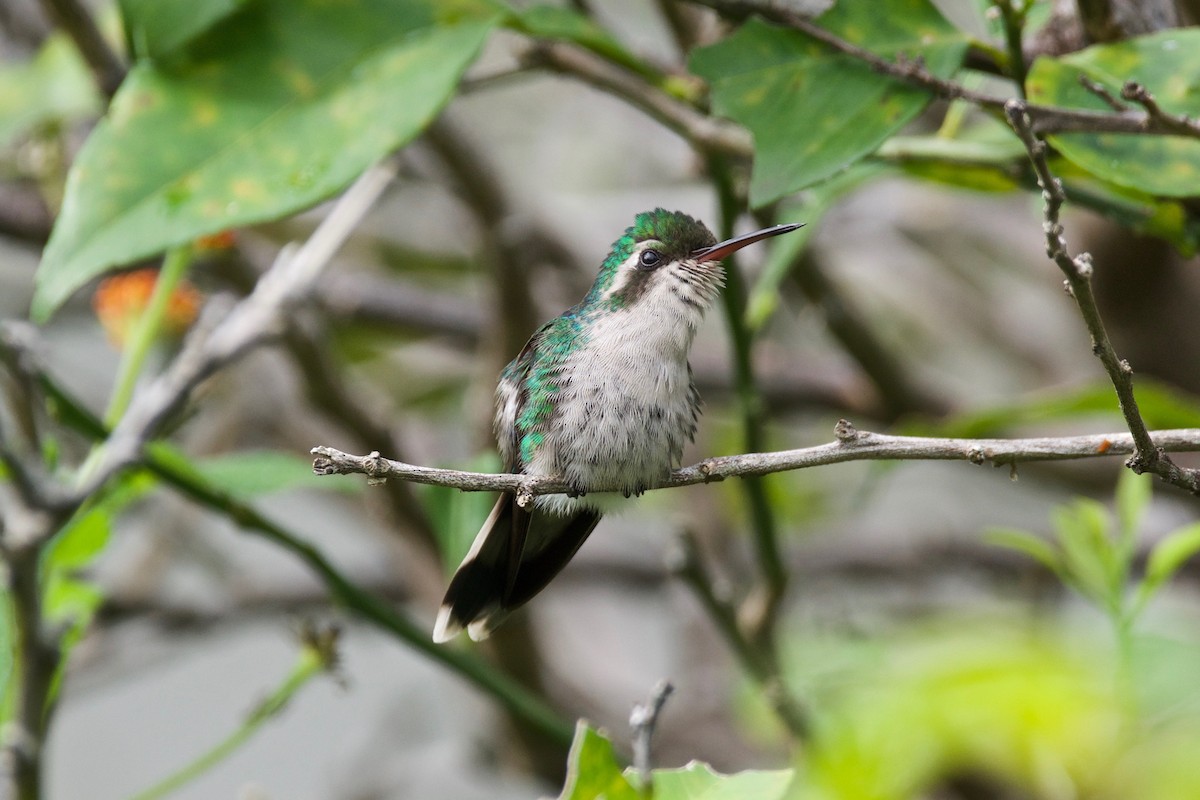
(518,550)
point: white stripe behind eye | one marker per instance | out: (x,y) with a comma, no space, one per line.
(629,267)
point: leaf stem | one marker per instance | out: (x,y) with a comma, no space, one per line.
(307,666)
(146,331)
(750,407)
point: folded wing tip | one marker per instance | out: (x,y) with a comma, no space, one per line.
(446,627)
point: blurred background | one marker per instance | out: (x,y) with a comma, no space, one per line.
(499,220)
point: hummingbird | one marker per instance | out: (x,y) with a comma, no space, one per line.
(601,397)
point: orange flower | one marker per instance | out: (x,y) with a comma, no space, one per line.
(217,241)
(120,300)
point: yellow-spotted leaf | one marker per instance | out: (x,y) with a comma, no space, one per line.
(814,111)
(1166,63)
(277,106)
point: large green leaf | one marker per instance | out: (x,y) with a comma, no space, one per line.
(814,111)
(275,108)
(1166,63)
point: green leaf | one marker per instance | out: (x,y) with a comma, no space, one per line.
(1133,496)
(1139,211)
(270,111)
(1092,566)
(154,28)
(1168,65)
(251,473)
(1162,407)
(77,544)
(1028,543)
(814,111)
(55,85)
(456,516)
(1167,557)
(698,781)
(71,600)
(592,769)
(985,157)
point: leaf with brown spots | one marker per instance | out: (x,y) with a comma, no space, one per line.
(276,107)
(1167,64)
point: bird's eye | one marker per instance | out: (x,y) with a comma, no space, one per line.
(650,259)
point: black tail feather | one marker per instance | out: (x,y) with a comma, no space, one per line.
(514,556)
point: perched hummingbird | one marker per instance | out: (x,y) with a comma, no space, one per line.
(601,397)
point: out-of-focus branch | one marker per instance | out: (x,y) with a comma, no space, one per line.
(37,653)
(73,17)
(1012,14)
(1116,20)
(369,300)
(757,656)
(475,180)
(898,391)
(705,132)
(23,213)
(1148,456)
(850,445)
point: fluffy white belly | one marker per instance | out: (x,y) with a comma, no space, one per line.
(622,414)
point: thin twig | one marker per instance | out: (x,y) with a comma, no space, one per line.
(1147,456)
(851,445)
(1013,19)
(643,719)
(1180,124)
(1101,91)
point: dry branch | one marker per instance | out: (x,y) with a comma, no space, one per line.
(850,445)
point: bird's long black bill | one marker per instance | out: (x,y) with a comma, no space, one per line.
(722,249)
